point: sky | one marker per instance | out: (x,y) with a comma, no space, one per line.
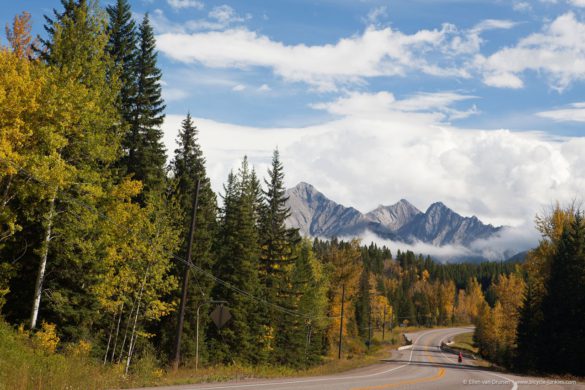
(475,103)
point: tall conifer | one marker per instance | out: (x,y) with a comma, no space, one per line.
(146,155)
(276,239)
(188,167)
(564,303)
(52,22)
(277,256)
(238,265)
(122,49)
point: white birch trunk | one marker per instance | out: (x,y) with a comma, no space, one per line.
(117,333)
(133,337)
(43,264)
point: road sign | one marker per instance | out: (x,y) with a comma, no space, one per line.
(220,316)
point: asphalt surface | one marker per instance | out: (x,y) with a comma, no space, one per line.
(423,366)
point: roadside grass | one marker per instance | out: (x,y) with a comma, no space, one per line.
(330,365)
(24,365)
(465,342)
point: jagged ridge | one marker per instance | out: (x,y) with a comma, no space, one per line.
(315,215)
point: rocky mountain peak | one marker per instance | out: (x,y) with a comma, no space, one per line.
(394,216)
(316,215)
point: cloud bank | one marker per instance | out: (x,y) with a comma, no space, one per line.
(380,149)
(507,243)
(557,52)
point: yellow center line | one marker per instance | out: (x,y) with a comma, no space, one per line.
(440,373)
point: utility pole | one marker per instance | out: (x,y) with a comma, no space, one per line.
(177,350)
(341,321)
(384,324)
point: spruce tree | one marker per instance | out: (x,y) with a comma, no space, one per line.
(276,239)
(277,243)
(122,49)
(144,147)
(298,337)
(362,310)
(311,283)
(188,167)
(564,303)
(242,339)
(51,23)
(529,340)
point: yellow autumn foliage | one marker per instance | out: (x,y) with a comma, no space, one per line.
(46,339)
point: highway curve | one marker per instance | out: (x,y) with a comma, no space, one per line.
(424,366)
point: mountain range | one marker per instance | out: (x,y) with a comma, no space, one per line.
(315,215)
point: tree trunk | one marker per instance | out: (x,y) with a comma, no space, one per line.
(43,263)
(126,331)
(109,339)
(133,337)
(117,332)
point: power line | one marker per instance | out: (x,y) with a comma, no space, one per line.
(178,258)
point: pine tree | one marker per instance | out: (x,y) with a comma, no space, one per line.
(51,24)
(144,147)
(530,343)
(122,49)
(564,303)
(311,282)
(276,239)
(362,310)
(243,337)
(298,338)
(277,243)
(188,167)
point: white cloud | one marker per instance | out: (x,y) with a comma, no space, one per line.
(577,3)
(429,107)
(575,113)
(439,253)
(218,18)
(239,88)
(503,80)
(182,4)
(377,52)
(373,154)
(522,6)
(558,52)
(442,52)
(375,14)
(226,15)
(503,245)
(493,24)
(507,242)
(264,88)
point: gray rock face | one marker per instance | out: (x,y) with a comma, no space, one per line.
(440,225)
(396,216)
(315,215)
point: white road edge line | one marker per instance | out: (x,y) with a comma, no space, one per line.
(317,380)
(514,383)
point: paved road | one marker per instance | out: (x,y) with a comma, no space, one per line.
(424,366)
